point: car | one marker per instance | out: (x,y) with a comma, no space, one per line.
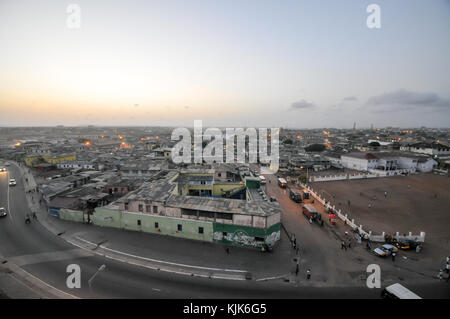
(7,164)
(273,199)
(295,196)
(385,250)
(3,212)
(12,182)
(407,244)
(2,169)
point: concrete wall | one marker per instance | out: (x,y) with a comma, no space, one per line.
(166,225)
(71,215)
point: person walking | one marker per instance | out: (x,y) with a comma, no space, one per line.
(296,269)
(393,256)
(441,274)
(308,274)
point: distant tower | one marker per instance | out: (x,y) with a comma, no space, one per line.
(371,127)
(354,126)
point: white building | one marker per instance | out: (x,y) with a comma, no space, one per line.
(386,163)
(427,148)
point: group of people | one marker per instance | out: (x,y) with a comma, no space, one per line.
(345,245)
(446,269)
(28,219)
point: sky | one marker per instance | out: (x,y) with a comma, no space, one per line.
(234,63)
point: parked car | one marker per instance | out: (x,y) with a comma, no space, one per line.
(306,195)
(3,212)
(385,250)
(12,182)
(407,244)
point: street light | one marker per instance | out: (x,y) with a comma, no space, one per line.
(102,267)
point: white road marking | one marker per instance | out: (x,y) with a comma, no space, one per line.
(50,256)
(162,261)
(7,197)
(50,286)
(150,267)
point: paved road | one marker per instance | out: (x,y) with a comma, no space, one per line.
(46,257)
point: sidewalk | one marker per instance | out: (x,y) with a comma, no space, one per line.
(165,253)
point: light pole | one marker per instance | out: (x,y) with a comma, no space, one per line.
(102,267)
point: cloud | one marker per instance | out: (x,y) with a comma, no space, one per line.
(404,100)
(350,98)
(303,104)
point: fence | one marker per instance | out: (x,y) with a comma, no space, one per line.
(340,177)
(351,222)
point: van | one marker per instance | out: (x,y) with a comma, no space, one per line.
(397,291)
(295,196)
(282,183)
(262,180)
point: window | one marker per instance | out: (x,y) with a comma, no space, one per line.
(156,225)
(126,206)
(139,222)
(155,209)
(206,214)
(200,230)
(224,216)
(180,227)
(148,208)
(141,208)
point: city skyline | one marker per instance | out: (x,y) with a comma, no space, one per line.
(297,64)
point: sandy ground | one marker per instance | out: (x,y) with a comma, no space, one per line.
(413,203)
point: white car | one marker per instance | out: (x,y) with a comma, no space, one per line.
(12,182)
(385,250)
(3,212)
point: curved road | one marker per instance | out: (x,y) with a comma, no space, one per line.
(46,257)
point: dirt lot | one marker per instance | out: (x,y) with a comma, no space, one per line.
(413,203)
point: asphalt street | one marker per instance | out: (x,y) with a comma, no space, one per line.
(46,257)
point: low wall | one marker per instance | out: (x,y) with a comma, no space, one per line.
(351,222)
(71,215)
(340,177)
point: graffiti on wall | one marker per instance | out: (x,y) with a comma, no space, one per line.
(239,237)
(273,238)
